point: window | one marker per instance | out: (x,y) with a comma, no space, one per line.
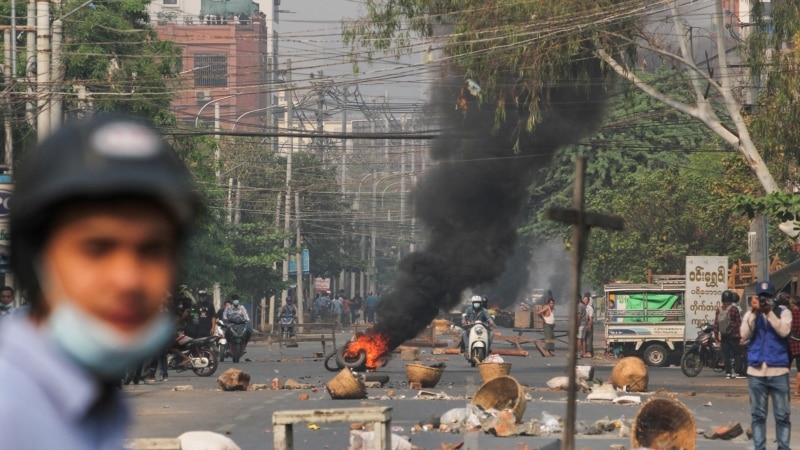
(170,2)
(211,70)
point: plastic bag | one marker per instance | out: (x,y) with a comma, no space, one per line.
(494,358)
(550,423)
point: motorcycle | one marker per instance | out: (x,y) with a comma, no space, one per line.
(237,332)
(221,347)
(477,346)
(704,352)
(287,326)
(204,360)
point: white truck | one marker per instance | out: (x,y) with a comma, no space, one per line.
(647,320)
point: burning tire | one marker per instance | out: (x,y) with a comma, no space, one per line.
(352,363)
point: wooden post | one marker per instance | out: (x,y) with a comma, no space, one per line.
(582,222)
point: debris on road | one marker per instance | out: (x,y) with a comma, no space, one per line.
(725,432)
(206,440)
(664,423)
(502,393)
(630,371)
(365,440)
(426,376)
(346,385)
(183,387)
(292,384)
(233,380)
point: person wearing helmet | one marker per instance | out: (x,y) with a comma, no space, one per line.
(727,321)
(475,311)
(202,317)
(101,209)
(237,312)
(767,328)
(288,310)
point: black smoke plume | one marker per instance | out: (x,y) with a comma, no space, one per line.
(471,201)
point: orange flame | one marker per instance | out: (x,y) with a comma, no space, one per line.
(375,345)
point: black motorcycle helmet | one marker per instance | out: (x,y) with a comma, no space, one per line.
(101,159)
(727,297)
(782,299)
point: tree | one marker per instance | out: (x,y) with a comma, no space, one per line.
(529,47)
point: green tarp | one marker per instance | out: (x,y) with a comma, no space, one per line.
(647,301)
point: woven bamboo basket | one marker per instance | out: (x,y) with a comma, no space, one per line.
(503,392)
(345,385)
(632,372)
(426,376)
(490,371)
(664,423)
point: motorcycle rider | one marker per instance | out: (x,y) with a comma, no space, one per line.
(475,311)
(101,209)
(231,315)
(202,317)
(288,310)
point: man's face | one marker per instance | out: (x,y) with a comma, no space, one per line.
(114,261)
(6,297)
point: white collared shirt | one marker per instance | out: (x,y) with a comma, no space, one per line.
(48,401)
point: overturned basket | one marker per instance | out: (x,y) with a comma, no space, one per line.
(664,423)
(346,385)
(489,371)
(501,393)
(426,376)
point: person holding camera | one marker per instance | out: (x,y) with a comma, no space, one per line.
(767,327)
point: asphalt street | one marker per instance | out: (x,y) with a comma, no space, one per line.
(246,417)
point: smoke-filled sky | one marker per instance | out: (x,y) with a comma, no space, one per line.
(470,204)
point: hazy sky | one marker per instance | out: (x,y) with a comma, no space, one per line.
(310,34)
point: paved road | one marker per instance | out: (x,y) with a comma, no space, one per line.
(246,416)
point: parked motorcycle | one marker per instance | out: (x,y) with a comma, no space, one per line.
(287,326)
(237,334)
(704,352)
(221,347)
(477,347)
(204,360)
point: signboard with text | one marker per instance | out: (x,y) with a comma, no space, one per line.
(322,284)
(706,278)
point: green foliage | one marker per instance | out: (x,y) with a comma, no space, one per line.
(782,206)
(638,134)
(669,214)
(512,49)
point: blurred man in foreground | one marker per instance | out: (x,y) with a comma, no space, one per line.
(101,208)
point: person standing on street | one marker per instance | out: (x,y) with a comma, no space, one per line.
(202,317)
(6,303)
(547,314)
(767,328)
(355,308)
(588,335)
(727,322)
(101,210)
(582,321)
(369,307)
(336,310)
(794,341)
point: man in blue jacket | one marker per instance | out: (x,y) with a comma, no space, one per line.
(766,328)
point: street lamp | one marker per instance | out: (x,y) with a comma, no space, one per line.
(197,117)
(233,128)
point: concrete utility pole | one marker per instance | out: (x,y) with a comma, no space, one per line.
(56,105)
(299,256)
(42,68)
(288,208)
(581,221)
(30,62)
(7,71)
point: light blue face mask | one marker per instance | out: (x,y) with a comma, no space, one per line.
(101,349)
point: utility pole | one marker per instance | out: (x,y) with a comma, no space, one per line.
(274,266)
(298,255)
(8,35)
(57,76)
(42,68)
(288,204)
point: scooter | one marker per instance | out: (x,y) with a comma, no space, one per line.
(477,346)
(237,332)
(287,326)
(221,348)
(704,352)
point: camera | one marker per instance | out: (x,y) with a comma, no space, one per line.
(763,301)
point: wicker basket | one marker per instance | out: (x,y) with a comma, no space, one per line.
(663,423)
(490,371)
(345,385)
(632,372)
(426,376)
(503,392)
